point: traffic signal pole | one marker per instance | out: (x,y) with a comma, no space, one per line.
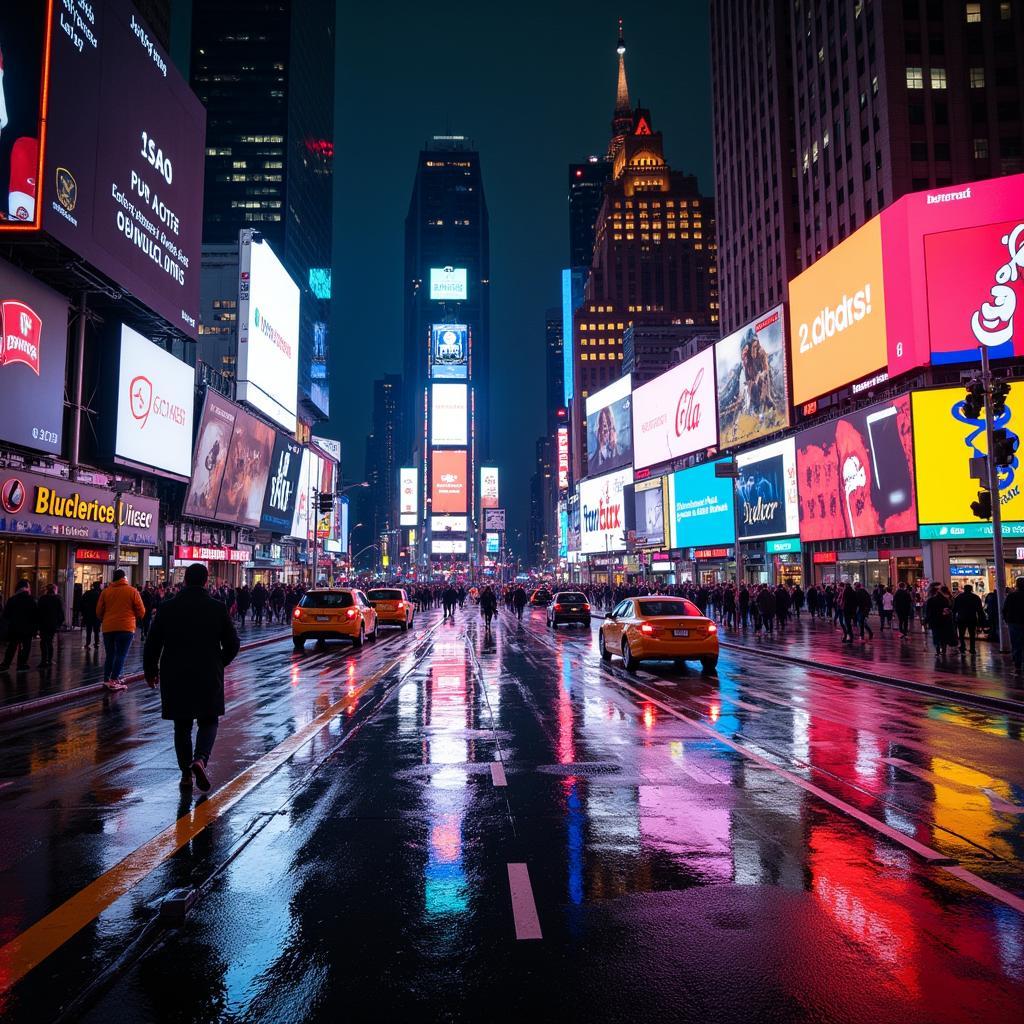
(993,487)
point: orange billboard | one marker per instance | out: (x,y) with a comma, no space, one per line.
(448,481)
(837,317)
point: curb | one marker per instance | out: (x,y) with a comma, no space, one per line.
(30,707)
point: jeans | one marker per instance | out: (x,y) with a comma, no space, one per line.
(46,646)
(116,644)
(846,621)
(21,643)
(92,631)
(205,736)
(862,621)
(967,628)
(904,620)
(1016,644)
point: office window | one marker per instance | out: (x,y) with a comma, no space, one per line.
(976,76)
(973,12)
(938,78)
(1005,11)
(981,149)
(915,78)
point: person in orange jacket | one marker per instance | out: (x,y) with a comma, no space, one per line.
(120,609)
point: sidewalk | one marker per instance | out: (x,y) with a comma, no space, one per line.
(76,667)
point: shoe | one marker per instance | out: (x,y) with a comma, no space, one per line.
(186,780)
(202,779)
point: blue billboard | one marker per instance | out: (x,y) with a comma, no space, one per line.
(702,507)
(449,351)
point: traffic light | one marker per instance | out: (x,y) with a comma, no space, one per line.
(324,502)
(1004,445)
(974,401)
(982,508)
(1000,392)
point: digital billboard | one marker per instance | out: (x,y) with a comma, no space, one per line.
(750,368)
(449,351)
(675,414)
(945,439)
(855,474)
(563,458)
(449,524)
(447,547)
(156,395)
(449,414)
(448,484)
(602,512)
(837,316)
(701,507)
(649,500)
(247,471)
(492,543)
(767,491)
(494,519)
(448,284)
(120,180)
(610,427)
(282,485)
(213,442)
(488,486)
(408,496)
(33,357)
(302,517)
(268,333)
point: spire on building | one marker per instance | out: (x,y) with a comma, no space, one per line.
(622,119)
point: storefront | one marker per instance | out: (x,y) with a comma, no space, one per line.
(96,565)
(224,563)
(712,565)
(870,567)
(786,560)
(974,563)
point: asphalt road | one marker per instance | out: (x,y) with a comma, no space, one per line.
(453,825)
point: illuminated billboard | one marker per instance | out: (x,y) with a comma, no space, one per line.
(449,414)
(701,507)
(649,500)
(602,512)
(268,333)
(447,547)
(408,496)
(750,368)
(767,491)
(282,486)
(855,474)
(945,439)
(488,486)
(493,543)
(449,351)
(449,524)
(675,414)
(448,284)
(448,484)
(563,458)
(610,427)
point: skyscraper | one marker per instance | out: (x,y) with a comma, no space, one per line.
(586,193)
(382,462)
(554,366)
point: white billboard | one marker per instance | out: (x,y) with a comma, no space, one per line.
(448,414)
(156,396)
(449,524)
(309,480)
(676,414)
(328,446)
(603,513)
(494,519)
(408,496)
(447,547)
(489,487)
(268,333)
(448,284)
(766,491)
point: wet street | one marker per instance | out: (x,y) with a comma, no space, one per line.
(453,825)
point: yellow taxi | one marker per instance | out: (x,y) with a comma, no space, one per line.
(392,605)
(336,614)
(658,628)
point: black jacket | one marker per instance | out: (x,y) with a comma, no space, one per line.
(902,602)
(51,613)
(1013,608)
(90,599)
(967,609)
(191,641)
(21,614)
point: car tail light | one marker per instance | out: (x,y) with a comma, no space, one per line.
(557,608)
(351,613)
(586,607)
(647,629)
(297,613)
(712,628)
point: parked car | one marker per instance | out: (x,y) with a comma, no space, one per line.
(540,598)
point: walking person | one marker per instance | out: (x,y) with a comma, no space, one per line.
(519,602)
(90,622)
(20,617)
(903,606)
(1013,616)
(938,617)
(190,644)
(969,615)
(488,605)
(865,602)
(51,618)
(888,598)
(120,610)
(848,604)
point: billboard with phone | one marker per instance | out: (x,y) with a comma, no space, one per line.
(766,489)
(855,474)
(610,427)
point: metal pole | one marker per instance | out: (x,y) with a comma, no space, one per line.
(316,531)
(997,515)
(736,530)
(117,528)
(76,405)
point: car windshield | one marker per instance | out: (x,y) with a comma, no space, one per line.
(384,595)
(569,596)
(543,593)
(655,608)
(327,599)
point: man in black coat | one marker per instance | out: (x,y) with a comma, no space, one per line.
(191,641)
(51,618)
(21,617)
(968,614)
(90,620)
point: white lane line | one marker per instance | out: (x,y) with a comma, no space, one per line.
(987,888)
(1000,805)
(498,774)
(524,909)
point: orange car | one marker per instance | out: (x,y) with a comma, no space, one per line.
(659,628)
(341,614)
(392,605)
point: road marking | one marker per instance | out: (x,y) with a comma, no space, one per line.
(524,909)
(986,887)
(498,774)
(1000,805)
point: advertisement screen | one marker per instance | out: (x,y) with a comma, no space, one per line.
(573,538)
(247,471)
(213,442)
(602,515)
(563,458)
(750,366)
(155,407)
(610,427)
(488,486)
(325,521)
(448,524)
(767,491)
(448,414)
(494,519)
(448,489)
(449,351)
(303,505)
(855,475)
(447,547)
(33,357)
(408,496)
(282,485)
(945,439)
(837,317)
(649,499)
(448,284)
(268,333)
(493,541)
(702,507)
(675,414)
(122,181)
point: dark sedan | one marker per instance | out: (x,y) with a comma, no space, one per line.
(569,606)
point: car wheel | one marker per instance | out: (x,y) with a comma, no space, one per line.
(405,625)
(586,623)
(680,664)
(629,663)
(606,655)
(299,643)
(709,663)
(358,641)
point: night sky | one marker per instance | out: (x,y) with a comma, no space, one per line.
(534,88)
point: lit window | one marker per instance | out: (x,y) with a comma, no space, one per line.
(814,151)
(977,78)
(915,80)
(938,78)
(1005,12)
(973,12)
(981,149)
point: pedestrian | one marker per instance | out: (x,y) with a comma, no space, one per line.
(782,602)
(938,616)
(887,609)
(259,602)
(848,604)
(798,600)
(190,644)
(120,610)
(969,615)
(488,605)
(766,608)
(903,606)
(51,618)
(865,601)
(1013,616)
(90,622)
(519,602)
(20,619)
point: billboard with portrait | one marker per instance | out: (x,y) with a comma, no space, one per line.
(210,460)
(489,487)
(449,409)
(676,413)
(945,439)
(602,512)
(155,407)
(766,490)
(649,500)
(610,427)
(282,485)
(33,358)
(448,483)
(408,496)
(268,333)
(247,471)
(449,351)
(855,474)
(702,507)
(750,369)
(448,284)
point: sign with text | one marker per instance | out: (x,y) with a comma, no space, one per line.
(408,496)
(494,519)
(448,483)
(488,487)
(449,351)
(767,491)
(448,284)
(701,506)
(602,512)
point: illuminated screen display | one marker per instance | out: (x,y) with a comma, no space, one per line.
(408,496)
(602,512)
(449,350)
(448,489)
(449,414)
(701,505)
(447,547)
(610,427)
(448,284)
(493,543)
(488,486)
(649,500)
(767,490)
(448,524)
